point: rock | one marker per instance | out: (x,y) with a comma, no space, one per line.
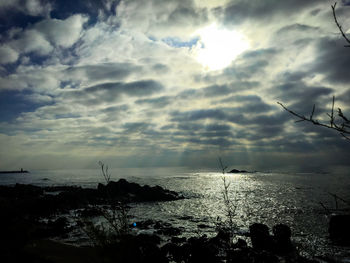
(135,192)
(158,225)
(241,243)
(202,250)
(260,237)
(141,248)
(339,229)
(32,200)
(169,231)
(222,238)
(249,255)
(173,251)
(28,190)
(282,235)
(145,224)
(178,240)
(58,227)
(90,212)
(146,238)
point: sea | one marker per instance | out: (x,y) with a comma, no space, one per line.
(304,201)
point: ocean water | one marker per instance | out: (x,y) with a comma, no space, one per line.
(270,198)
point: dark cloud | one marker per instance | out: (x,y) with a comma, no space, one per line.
(345,97)
(296,28)
(160,68)
(298,90)
(245,72)
(238,12)
(217,90)
(217,127)
(295,36)
(315,12)
(196,115)
(259,54)
(239,115)
(300,97)
(167,127)
(134,127)
(210,130)
(332,59)
(109,92)
(294,76)
(243,98)
(159,102)
(250,63)
(184,13)
(222,142)
(103,71)
(115,109)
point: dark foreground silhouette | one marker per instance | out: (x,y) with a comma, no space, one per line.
(25,237)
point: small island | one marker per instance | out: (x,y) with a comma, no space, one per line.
(235,171)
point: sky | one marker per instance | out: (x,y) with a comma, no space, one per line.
(171,83)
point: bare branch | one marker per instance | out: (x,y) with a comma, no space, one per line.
(343,128)
(222,166)
(105,173)
(339,26)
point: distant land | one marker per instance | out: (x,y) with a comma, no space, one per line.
(14,172)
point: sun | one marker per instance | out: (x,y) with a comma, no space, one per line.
(218,47)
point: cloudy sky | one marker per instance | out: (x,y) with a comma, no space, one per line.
(171,83)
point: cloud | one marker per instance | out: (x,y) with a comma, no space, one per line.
(134,127)
(43,37)
(7,55)
(119,79)
(102,71)
(158,102)
(158,18)
(93,8)
(237,12)
(332,59)
(112,91)
(31,41)
(30,7)
(62,33)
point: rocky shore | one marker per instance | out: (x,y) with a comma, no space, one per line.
(26,237)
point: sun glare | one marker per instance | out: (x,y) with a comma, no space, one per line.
(217,47)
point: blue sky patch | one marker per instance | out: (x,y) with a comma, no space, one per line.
(13,103)
(177,42)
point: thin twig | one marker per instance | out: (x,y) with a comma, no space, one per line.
(339,26)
